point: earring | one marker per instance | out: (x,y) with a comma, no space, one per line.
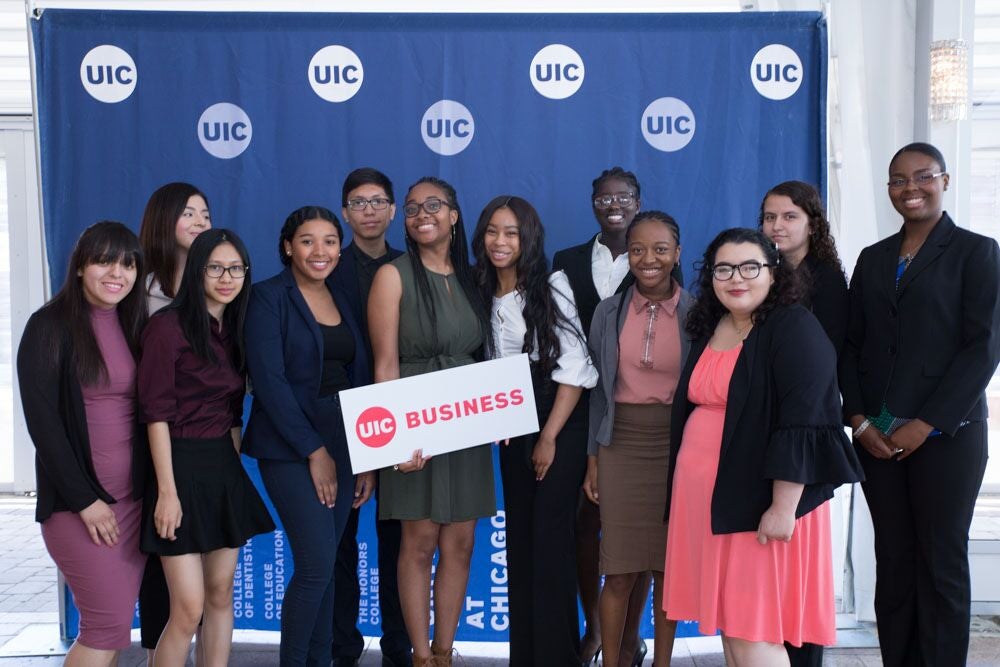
(453,234)
(288,252)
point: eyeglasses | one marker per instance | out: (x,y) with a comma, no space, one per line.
(377,203)
(918,180)
(432,206)
(236,272)
(748,270)
(624,200)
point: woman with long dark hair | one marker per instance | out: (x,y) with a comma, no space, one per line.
(202,506)
(922,345)
(757,449)
(425,314)
(174,216)
(77,375)
(639,346)
(303,348)
(793,217)
(533,312)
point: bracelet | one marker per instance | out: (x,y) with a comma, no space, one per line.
(861,429)
(395,467)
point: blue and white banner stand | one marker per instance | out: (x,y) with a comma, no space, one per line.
(269,112)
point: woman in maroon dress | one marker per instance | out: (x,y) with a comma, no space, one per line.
(77,371)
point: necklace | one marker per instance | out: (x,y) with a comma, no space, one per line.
(743,331)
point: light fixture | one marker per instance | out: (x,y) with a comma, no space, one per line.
(949,94)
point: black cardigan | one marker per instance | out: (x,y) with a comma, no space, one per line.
(52,399)
(827,298)
(782,421)
(929,347)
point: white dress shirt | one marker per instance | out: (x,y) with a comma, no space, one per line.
(574,366)
(608,272)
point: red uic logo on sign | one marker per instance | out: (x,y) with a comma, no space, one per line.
(376,427)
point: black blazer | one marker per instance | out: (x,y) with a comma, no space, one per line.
(942,326)
(782,421)
(284,348)
(52,399)
(576,262)
(827,299)
(345,277)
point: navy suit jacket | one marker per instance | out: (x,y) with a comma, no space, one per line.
(345,277)
(928,347)
(284,347)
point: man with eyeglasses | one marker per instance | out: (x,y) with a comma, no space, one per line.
(368,208)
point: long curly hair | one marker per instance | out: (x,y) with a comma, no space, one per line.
(708,310)
(541,315)
(805,196)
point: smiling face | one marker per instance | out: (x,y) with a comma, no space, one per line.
(314,250)
(616,218)
(917,203)
(739,295)
(193,221)
(368,223)
(221,291)
(427,229)
(106,284)
(653,252)
(788,226)
(502,239)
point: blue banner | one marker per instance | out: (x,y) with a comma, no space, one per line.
(269,112)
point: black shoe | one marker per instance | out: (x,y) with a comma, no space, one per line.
(397,660)
(346,662)
(640,654)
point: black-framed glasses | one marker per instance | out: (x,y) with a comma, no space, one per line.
(748,270)
(377,203)
(925,178)
(236,271)
(432,205)
(624,199)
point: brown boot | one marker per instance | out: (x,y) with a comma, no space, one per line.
(442,657)
(429,661)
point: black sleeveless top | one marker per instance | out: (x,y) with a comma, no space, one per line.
(338,351)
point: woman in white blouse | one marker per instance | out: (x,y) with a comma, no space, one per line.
(533,311)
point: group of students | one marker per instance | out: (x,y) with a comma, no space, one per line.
(691,440)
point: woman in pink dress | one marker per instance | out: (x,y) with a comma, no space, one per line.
(757,449)
(77,373)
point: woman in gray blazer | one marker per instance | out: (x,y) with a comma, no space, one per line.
(638,344)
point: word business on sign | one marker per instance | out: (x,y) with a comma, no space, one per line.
(438,412)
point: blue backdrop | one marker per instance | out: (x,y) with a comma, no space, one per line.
(269,112)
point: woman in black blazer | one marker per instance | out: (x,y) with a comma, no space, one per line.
(792,215)
(303,347)
(756,450)
(76,372)
(922,345)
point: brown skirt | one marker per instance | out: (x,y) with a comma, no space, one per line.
(632,488)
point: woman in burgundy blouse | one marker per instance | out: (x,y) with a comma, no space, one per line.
(202,507)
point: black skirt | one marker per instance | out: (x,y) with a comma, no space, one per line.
(221,508)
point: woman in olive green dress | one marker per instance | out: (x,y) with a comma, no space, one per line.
(424,315)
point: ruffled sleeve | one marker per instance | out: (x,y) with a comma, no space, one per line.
(812,455)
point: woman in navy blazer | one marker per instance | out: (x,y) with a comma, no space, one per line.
(922,344)
(303,347)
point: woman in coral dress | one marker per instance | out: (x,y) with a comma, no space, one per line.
(748,545)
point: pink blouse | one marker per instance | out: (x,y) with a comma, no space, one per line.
(649,351)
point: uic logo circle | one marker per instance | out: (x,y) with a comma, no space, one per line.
(375,427)
(108,73)
(668,124)
(336,73)
(224,130)
(556,71)
(447,127)
(776,72)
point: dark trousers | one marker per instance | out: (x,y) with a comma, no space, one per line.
(347,640)
(541,549)
(921,510)
(154,603)
(313,533)
(807,655)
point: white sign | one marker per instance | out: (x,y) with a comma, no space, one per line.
(438,412)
